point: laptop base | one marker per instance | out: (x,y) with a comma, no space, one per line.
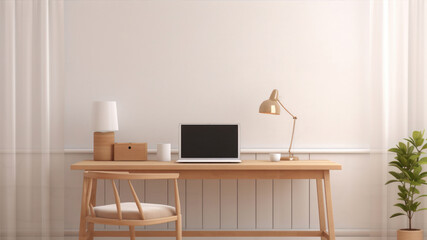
(209,161)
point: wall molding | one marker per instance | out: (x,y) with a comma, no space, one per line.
(263,150)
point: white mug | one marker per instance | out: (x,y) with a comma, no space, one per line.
(275,157)
(164,152)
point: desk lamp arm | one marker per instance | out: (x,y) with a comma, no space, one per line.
(293,128)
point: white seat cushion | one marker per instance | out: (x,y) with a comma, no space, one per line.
(130,211)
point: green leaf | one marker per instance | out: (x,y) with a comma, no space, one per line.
(395,175)
(395,163)
(423,161)
(411,140)
(395,150)
(419,142)
(402,189)
(402,146)
(413,207)
(417,170)
(406,181)
(402,196)
(391,181)
(402,160)
(397,214)
(403,207)
(407,175)
(416,191)
(398,167)
(411,174)
(416,134)
(415,183)
(414,157)
(424,195)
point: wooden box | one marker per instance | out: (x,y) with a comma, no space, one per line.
(130,151)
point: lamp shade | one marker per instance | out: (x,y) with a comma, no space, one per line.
(105,116)
(271,105)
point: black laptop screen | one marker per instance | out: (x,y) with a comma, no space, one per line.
(209,141)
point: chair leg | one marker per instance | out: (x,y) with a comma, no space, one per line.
(178,228)
(91,229)
(132,232)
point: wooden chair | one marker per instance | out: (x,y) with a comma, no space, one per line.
(130,213)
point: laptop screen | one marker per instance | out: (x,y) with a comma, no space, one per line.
(209,141)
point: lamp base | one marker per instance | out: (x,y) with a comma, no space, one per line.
(103,146)
(293,158)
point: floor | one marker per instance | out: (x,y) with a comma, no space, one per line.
(338,238)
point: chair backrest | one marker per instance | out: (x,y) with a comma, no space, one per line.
(91,175)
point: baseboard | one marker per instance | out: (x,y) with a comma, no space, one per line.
(338,232)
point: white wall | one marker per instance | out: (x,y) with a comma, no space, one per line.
(170,62)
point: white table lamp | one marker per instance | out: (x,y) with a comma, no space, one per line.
(104,124)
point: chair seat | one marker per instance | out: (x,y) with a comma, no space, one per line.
(130,211)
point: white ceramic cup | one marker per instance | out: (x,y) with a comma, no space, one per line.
(275,157)
(164,152)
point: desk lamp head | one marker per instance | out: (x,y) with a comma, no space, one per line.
(271,105)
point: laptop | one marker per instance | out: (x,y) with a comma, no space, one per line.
(209,143)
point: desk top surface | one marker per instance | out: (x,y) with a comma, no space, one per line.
(244,165)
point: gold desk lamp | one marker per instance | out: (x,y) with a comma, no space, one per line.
(271,106)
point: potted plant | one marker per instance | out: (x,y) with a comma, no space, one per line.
(409,176)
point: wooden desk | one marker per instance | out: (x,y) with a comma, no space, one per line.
(249,169)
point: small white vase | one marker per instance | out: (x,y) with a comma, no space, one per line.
(164,152)
(275,157)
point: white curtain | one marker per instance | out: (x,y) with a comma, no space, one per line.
(31,119)
(398,105)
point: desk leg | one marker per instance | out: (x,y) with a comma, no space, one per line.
(83,211)
(91,226)
(321,206)
(329,206)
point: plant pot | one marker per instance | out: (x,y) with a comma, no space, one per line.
(414,234)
